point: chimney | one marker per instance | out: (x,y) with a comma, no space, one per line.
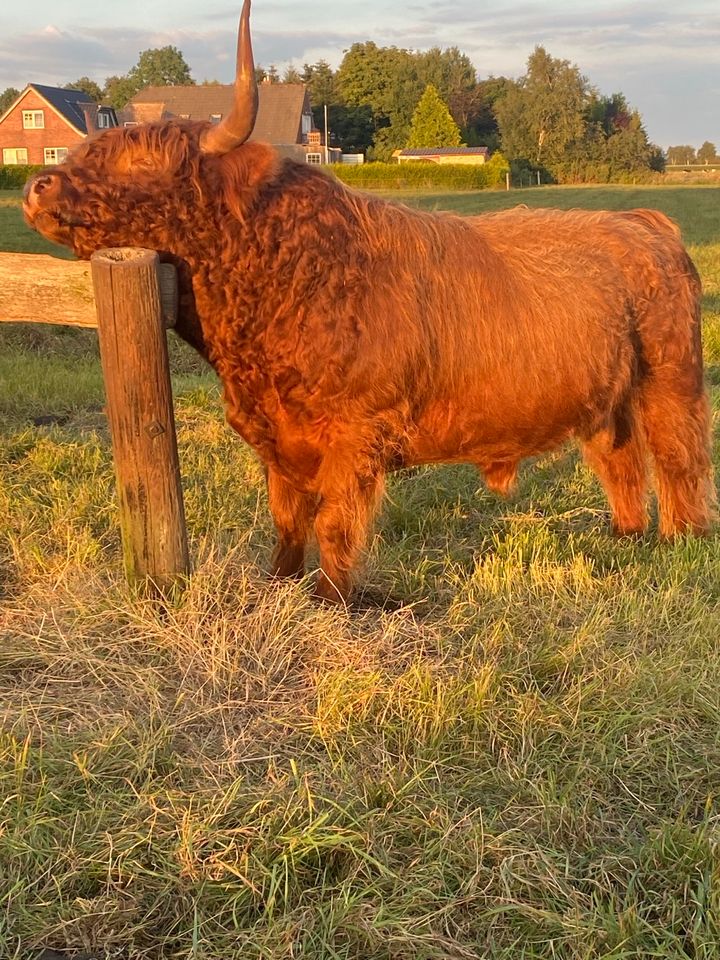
(90,111)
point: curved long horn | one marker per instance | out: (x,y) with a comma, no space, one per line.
(237,126)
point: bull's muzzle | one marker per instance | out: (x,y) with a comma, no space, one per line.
(46,185)
(41,188)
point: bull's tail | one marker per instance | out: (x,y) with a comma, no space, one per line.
(674,408)
(676,420)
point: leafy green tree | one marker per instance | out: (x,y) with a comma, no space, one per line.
(499,163)
(681,154)
(707,153)
(87,86)
(118,90)
(161,67)
(553,119)
(386,80)
(470,102)
(453,76)
(320,81)
(545,111)
(7,98)
(657,158)
(432,123)
(157,67)
(611,114)
(480,128)
(371,76)
(390,81)
(628,148)
(350,128)
(615,136)
(292,75)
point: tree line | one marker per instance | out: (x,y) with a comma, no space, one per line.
(686,155)
(381,99)
(551,119)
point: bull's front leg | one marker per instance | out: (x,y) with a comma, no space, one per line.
(293,512)
(347,505)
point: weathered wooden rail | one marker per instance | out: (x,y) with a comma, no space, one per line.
(131,298)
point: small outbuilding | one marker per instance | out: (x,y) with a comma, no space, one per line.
(473,155)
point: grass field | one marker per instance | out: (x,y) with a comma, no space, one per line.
(521,763)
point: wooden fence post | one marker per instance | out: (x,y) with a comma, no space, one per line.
(133,351)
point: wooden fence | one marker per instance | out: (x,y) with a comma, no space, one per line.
(131,298)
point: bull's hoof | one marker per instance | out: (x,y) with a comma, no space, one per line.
(326,591)
(627,533)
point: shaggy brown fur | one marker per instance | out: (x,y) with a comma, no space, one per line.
(353,336)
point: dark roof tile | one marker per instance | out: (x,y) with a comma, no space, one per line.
(443,151)
(66,102)
(280,107)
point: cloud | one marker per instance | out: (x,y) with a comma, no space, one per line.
(51,55)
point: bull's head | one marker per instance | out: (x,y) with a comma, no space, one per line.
(124,186)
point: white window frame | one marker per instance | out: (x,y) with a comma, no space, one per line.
(215,117)
(15,161)
(33,119)
(307,122)
(315,158)
(103,120)
(54,155)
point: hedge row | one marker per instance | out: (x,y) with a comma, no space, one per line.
(14,177)
(420,176)
(574,172)
(389,176)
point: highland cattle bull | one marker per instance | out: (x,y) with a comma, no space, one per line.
(353,336)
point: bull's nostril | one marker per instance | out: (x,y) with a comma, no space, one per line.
(40,183)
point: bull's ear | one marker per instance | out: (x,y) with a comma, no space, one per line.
(243,173)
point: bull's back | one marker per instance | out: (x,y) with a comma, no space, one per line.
(540,312)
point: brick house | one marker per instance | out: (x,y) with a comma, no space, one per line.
(45,122)
(284,116)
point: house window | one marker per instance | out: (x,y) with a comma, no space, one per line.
(314,158)
(33,120)
(215,117)
(103,121)
(14,155)
(55,154)
(130,123)
(306,123)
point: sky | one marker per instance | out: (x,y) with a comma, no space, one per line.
(663,55)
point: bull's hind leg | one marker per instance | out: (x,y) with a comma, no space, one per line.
(347,505)
(293,513)
(676,417)
(618,458)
